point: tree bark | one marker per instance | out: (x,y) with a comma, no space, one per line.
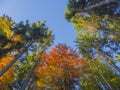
(99,4)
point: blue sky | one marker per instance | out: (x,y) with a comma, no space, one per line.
(50,10)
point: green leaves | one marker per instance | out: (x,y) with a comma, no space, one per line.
(118,58)
(97,28)
(94,81)
(23,67)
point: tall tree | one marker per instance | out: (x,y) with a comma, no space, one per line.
(35,34)
(97,24)
(20,40)
(60,69)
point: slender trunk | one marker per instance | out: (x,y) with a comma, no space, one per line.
(102,3)
(26,82)
(108,59)
(112,63)
(15,59)
(99,72)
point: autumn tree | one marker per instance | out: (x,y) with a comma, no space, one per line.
(7,43)
(18,39)
(60,69)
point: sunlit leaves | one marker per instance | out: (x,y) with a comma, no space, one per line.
(23,66)
(103,28)
(118,58)
(85,22)
(16,38)
(5,26)
(8,40)
(97,38)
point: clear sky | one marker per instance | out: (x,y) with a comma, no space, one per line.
(50,10)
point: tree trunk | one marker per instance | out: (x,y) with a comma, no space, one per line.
(99,4)
(108,60)
(26,82)
(15,59)
(99,72)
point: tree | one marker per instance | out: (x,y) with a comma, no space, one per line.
(107,29)
(21,39)
(36,33)
(22,68)
(60,69)
(92,80)
(97,24)
(6,36)
(100,7)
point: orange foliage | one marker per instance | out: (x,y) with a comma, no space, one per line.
(7,78)
(16,38)
(61,63)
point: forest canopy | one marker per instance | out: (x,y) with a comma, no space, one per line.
(28,62)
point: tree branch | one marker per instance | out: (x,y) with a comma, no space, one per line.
(102,3)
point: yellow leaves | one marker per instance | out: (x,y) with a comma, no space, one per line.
(5,26)
(41,84)
(52,68)
(67,11)
(83,23)
(113,79)
(111,26)
(17,38)
(8,46)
